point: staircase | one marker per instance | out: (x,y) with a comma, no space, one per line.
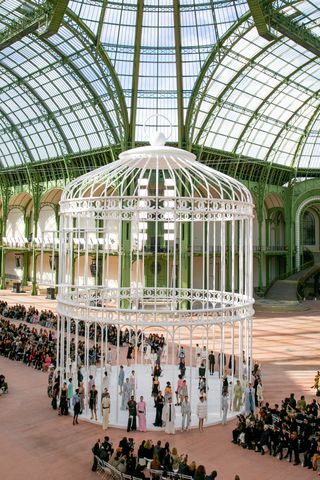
(282,295)
(287,289)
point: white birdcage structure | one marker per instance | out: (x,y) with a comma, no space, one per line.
(157,241)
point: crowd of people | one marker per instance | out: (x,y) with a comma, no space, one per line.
(33,347)
(291,431)
(37,348)
(148,460)
(81,390)
(164,403)
(166,399)
(45,318)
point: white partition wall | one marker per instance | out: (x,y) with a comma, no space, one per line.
(48,242)
(15,231)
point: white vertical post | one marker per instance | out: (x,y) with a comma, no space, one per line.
(68,359)
(102,362)
(76,341)
(241,350)
(135,357)
(232,363)
(62,340)
(118,365)
(191,362)
(86,358)
(142,346)
(58,340)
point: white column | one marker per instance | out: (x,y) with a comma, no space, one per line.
(191,362)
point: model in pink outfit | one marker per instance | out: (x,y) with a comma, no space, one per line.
(141,412)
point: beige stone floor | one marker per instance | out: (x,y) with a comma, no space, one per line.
(37,444)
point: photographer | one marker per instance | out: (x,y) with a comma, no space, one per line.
(96,453)
(311,450)
(274,440)
(107,445)
(3,385)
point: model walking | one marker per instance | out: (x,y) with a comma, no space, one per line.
(105,411)
(142,412)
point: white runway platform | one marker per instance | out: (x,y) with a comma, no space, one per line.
(119,418)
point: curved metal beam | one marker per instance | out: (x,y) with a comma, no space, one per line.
(179,74)
(100,23)
(286,124)
(19,135)
(207,67)
(42,104)
(274,74)
(20,142)
(239,73)
(307,130)
(120,106)
(265,100)
(135,73)
(192,111)
(86,85)
(264,179)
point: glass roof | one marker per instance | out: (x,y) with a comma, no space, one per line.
(199,63)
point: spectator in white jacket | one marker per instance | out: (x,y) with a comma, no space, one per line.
(260,394)
(201,412)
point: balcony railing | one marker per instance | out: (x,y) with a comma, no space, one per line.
(270,248)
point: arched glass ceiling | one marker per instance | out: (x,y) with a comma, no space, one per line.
(200,63)
(149,36)
(261,99)
(56,98)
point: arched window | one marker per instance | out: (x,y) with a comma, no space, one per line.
(309,234)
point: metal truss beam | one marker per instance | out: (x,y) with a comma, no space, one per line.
(44,20)
(228,87)
(207,73)
(29,23)
(54,21)
(252,170)
(266,16)
(298,33)
(135,73)
(101,20)
(260,20)
(179,73)
(251,63)
(55,169)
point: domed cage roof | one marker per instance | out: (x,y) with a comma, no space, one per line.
(153,172)
(167,238)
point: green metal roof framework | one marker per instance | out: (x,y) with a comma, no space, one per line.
(80,78)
